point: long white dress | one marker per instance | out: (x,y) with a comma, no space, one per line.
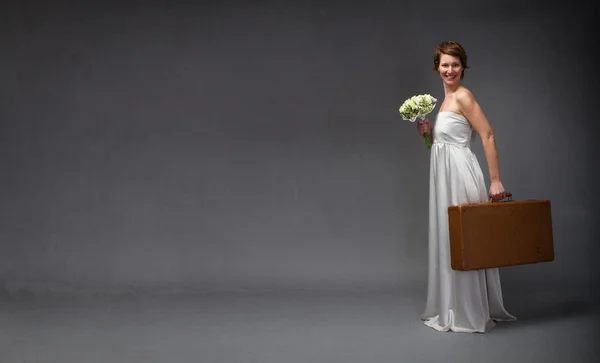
(460,301)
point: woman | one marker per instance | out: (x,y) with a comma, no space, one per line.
(460,301)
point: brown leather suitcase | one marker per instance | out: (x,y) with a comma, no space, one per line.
(499,234)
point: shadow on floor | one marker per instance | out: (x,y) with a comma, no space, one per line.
(546,311)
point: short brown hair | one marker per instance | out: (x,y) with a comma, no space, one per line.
(450,48)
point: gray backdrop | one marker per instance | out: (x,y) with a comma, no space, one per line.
(250,145)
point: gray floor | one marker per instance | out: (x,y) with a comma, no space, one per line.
(285,327)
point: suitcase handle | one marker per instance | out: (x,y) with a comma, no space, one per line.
(507,195)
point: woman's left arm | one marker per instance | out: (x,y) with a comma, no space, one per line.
(473,112)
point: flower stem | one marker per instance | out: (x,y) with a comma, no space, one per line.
(427,140)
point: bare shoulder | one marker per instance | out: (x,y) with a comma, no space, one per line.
(472,111)
(465,98)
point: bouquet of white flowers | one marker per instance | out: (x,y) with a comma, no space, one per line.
(418,107)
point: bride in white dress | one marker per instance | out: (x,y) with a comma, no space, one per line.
(460,301)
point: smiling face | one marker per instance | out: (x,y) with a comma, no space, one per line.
(450,60)
(451,69)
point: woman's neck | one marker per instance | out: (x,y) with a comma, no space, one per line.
(450,90)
